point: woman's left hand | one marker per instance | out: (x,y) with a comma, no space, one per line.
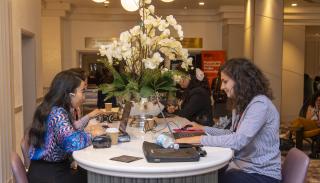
(96,112)
(95,130)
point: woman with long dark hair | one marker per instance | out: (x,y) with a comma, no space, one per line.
(196,101)
(52,136)
(254,133)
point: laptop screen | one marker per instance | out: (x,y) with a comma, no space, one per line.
(125,117)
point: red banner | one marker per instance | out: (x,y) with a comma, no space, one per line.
(211,62)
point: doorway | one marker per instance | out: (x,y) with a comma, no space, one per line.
(28,52)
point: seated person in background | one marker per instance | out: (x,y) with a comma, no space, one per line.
(52,136)
(312,119)
(78,121)
(220,110)
(254,134)
(313,112)
(196,101)
(103,76)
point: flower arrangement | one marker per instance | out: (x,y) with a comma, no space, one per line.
(141,52)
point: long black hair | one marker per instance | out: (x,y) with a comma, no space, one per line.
(249,82)
(58,95)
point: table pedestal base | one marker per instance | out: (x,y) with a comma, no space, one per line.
(211,177)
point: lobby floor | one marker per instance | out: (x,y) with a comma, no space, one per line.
(314,171)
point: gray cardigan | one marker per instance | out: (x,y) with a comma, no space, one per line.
(256,140)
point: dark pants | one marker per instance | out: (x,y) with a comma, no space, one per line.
(238,176)
(50,172)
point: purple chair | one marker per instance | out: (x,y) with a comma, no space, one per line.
(295,166)
(18,169)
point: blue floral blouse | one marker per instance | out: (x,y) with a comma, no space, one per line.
(61,138)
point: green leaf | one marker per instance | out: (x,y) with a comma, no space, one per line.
(146,91)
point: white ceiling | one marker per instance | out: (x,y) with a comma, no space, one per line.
(180,4)
(177,4)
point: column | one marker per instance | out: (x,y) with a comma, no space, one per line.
(6,111)
(263,40)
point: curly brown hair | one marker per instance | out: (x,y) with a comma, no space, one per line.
(249,82)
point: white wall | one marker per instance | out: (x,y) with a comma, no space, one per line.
(51,48)
(25,18)
(292,71)
(233,40)
(209,31)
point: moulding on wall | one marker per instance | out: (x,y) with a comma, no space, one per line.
(18,109)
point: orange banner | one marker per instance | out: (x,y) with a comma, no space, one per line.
(211,62)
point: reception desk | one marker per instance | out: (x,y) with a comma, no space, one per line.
(101,169)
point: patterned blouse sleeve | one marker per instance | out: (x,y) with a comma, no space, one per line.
(68,138)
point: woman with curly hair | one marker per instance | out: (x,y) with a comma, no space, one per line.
(254,133)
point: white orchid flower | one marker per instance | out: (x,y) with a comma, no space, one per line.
(135,30)
(147,1)
(151,9)
(149,64)
(162,25)
(125,36)
(171,20)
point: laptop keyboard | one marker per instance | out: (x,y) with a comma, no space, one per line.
(178,135)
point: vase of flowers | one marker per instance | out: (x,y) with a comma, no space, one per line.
(141,53)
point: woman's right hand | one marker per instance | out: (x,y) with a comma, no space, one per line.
(195,126)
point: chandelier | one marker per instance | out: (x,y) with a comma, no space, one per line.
(128,5)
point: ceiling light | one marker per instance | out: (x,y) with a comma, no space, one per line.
(167,1)
(294,4)
(98,1)
(201,3)
(130,5)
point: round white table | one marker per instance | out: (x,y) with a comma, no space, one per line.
(102,169)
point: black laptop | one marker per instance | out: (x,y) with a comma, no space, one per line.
(156,154)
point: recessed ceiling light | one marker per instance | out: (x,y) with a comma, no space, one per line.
(294,4)
(98,1)
(201,3)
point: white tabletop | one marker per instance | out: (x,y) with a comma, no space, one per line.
(98,160)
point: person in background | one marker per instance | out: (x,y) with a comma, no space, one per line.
(254,134)
(52,136)
(316,84)
(313,112)
(196,101)
(80,122)
(221,114)
(103,76)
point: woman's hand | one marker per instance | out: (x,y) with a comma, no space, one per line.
(195,126)
(96,112)
(95,130)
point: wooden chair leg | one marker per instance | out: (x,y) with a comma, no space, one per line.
(299,138)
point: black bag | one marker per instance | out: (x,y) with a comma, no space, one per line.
(286,144)
(102,141)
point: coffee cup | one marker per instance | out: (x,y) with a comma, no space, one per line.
(114,134)
(108,106)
